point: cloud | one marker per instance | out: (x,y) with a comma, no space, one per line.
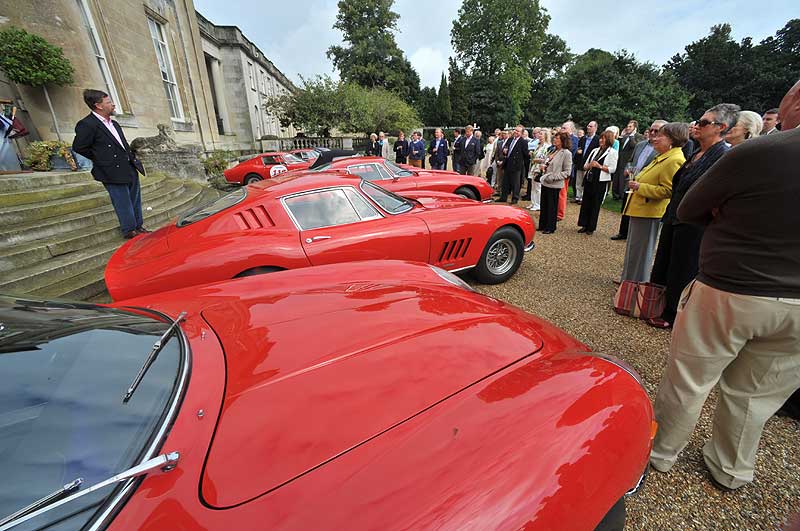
(429,64)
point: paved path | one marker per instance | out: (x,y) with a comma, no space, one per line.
(567,279)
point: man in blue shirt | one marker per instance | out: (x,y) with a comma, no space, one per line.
(438,150)
(416,150)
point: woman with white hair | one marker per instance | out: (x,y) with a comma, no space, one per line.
(748,126)
(373,147)
(614,129)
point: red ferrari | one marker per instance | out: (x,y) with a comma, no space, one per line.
(310,219)
(359,396)
(264,166)
(397,178)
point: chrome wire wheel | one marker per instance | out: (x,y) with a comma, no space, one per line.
(501,256)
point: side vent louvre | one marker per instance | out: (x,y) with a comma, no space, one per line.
(253,218)
(454,250)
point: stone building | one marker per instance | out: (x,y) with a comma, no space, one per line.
(147,54)
(242,79)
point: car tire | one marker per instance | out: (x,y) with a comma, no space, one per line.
(467,192)
(614,520)
(258,271)
(501,257)
(252,178)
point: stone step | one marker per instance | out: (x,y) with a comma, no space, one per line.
(21,182)
(49,193)
(89,283)
(56,270)
(59,207)
(21,255)
(152,196)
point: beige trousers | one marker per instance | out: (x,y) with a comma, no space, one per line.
(751,347)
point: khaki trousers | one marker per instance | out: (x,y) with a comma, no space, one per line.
(751,347)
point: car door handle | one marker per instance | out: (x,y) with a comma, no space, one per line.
(315,238)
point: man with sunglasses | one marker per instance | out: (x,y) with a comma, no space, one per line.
(738,323)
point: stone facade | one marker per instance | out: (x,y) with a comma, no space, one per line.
(242,80)
(112,46)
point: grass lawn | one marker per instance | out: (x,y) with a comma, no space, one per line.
(610,203)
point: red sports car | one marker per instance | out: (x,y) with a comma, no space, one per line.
(359,396)
(264,166)
(397,178)
(311,219)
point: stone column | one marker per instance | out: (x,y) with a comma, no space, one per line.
(219,94)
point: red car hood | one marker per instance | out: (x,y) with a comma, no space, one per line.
(303,382)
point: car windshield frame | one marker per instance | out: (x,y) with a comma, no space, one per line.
(396,170)
(205,211)
(291,158)
(406,204)
(99,513)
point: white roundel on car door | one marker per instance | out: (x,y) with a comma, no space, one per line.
(277,170)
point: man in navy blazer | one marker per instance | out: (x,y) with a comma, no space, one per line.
(471,153)
(516,160)
(438,149)
(586,144)
(101,140)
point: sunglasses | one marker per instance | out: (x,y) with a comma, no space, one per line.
(654,129)
(703,123)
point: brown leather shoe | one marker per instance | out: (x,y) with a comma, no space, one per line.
(658,322)
(130,234)
(142,230)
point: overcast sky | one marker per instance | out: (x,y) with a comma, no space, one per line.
(295,35)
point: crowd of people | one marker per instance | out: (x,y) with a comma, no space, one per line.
(709,212)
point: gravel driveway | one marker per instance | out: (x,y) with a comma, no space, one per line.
(567,279)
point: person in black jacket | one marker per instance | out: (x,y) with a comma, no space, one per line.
(471,153)
(516,159)
(458,149)
(401,149)
(678,256)
(101,140)
(373,147)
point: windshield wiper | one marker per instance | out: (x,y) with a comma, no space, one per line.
(165,462)
(157,346)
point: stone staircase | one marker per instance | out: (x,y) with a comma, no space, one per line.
(58,230)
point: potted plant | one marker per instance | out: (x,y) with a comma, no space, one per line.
(49,154)
(28,59)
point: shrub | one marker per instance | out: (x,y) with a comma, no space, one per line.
(217,162)
(39,154)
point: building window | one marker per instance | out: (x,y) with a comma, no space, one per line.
(159,35)
(99,53)
(252,73)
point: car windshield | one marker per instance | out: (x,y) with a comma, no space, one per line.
(291,159)
(64,369)
(321,167)
(203,211)
(397,170)
(391,203)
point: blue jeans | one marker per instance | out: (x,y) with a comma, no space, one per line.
(127,201)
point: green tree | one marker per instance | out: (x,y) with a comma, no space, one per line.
(30,60)
(323,104)
(501,40)
(614,88)
(426,106)
(717,69)
(444,109)
(487,107)
(546,72)
(459,94)
(372,59)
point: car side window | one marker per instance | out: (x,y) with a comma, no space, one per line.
(325,208)
(367,172)
(362,206)
(269,160)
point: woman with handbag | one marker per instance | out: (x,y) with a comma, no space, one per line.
(538,158)
(649,196)
(554,172)
(600,164)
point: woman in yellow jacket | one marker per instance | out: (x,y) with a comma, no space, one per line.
(650,194)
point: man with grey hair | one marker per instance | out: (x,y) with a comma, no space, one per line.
(384,142)
(738,322)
